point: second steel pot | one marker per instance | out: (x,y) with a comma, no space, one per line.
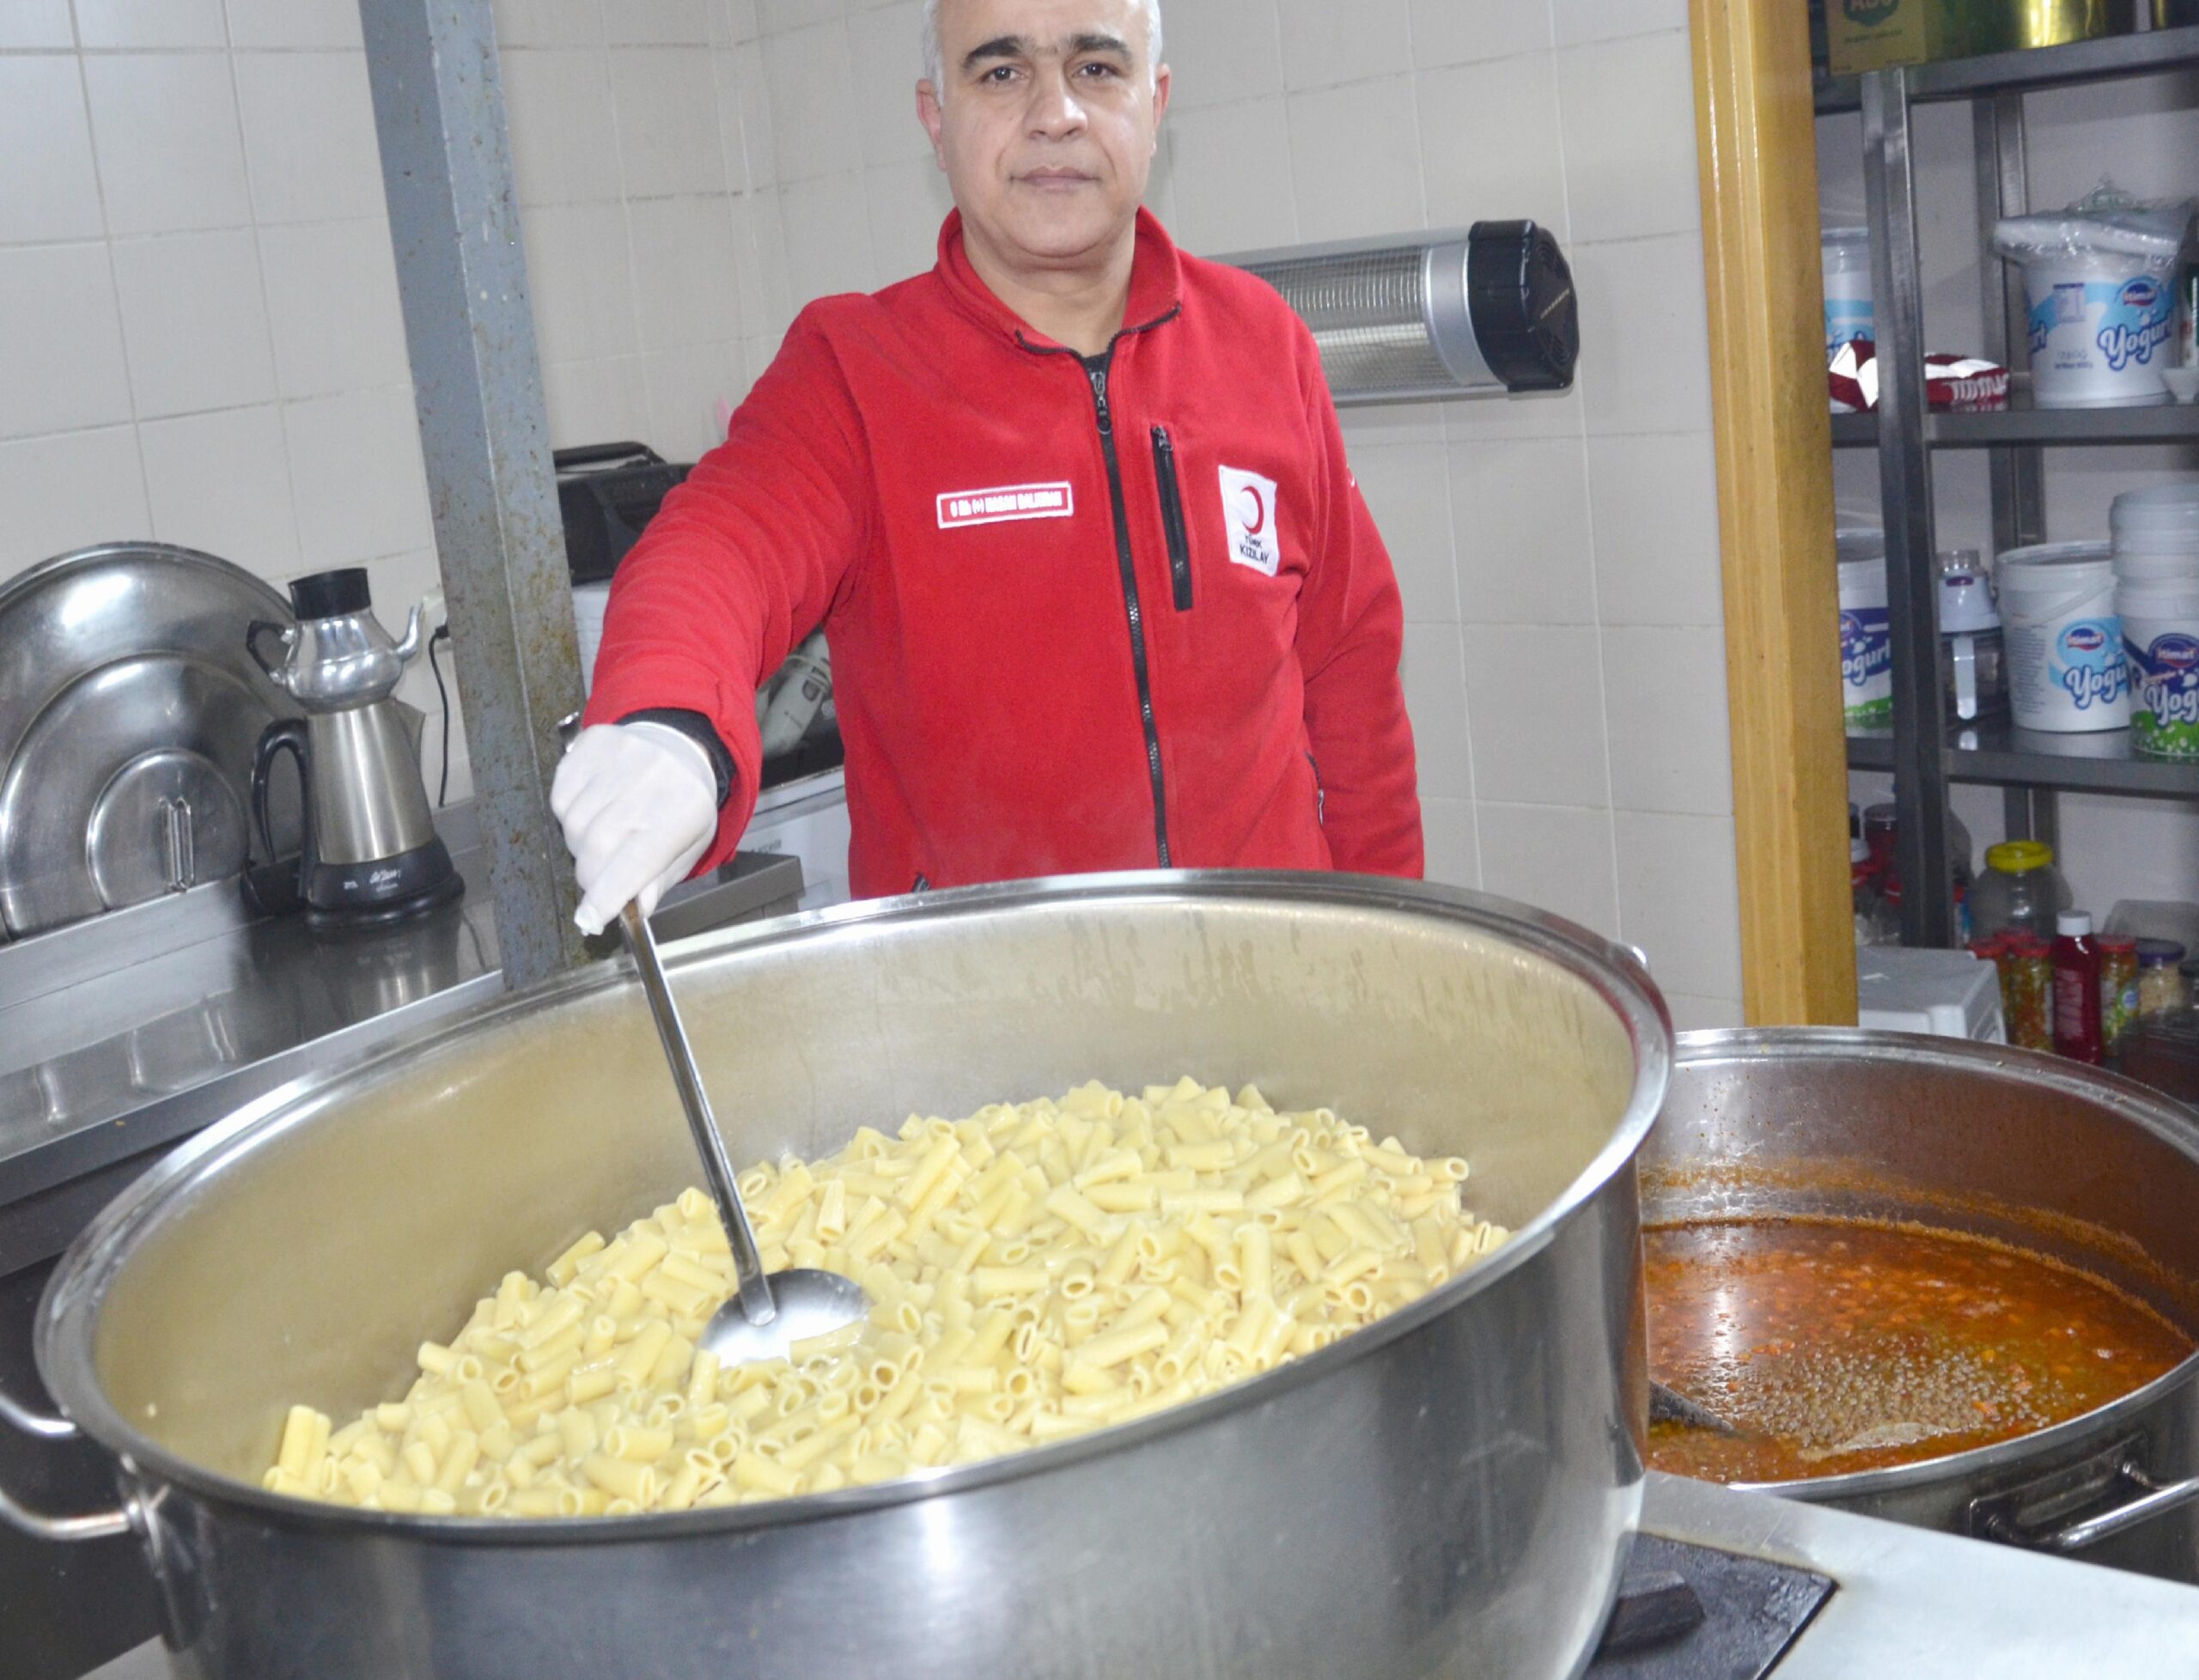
(2064,1160)
(1449,1493)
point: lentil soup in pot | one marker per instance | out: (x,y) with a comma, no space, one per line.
(1836,1345)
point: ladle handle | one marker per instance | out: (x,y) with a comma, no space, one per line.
(748,1265)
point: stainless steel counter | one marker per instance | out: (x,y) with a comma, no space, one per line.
(1909,1603)
(127,1034)
(121,1037)
(1923,1605)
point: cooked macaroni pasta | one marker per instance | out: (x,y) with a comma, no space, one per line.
(1037,1270)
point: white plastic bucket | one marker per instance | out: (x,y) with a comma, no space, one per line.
(2066,670)
(2101,323)
(1848,314)
(2160,639)
(1866,637)
(2157,531)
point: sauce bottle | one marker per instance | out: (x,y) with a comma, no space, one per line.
(2077,1032)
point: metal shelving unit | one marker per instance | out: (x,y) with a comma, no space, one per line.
(2027,71)
(1994,753)
(2046,428)
(1922,753)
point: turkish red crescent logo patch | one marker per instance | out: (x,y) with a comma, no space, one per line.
(1249,511)
(1005,503)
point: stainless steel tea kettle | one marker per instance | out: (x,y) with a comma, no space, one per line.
(371,850)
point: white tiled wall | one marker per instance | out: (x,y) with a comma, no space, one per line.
(1564,660)
(200,340)
(2144,135)
(199,319)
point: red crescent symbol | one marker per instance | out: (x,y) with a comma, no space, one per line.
(1258,522)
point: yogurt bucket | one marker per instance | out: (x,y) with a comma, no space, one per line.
(2157,531)
(1848,314)
(2100,280)
(2099,328)
(1865,638)
(2160,639)
(2066,671)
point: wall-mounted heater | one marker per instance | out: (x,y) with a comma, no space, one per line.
(1484,312)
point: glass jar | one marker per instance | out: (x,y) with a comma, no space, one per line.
(2020,889)
(2162,994)
(2026,964)
(1876,923)
(2118,990)
(1881,830)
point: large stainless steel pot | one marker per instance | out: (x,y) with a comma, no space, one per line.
(1448,1493)
(2062,1159)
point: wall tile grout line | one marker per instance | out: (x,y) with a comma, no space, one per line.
(114,278)
(260,275)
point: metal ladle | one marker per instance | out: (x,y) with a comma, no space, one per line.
(1668,1405)
(765,1316)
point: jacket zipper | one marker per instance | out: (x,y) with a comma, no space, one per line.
(1099,375)
(1172,517)
(1320,795)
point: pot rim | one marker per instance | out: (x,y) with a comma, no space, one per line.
(68,1309)
(2164,1118)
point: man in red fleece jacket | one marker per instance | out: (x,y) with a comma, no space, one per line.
(1074,509)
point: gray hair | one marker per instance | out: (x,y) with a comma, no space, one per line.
(934,68)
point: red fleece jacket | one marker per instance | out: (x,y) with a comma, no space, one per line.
(1078,620)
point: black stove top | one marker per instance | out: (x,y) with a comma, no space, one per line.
(1691,1613)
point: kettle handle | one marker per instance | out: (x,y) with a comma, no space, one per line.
(251,646)
(285,734)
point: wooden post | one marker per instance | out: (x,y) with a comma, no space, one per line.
(1756,131)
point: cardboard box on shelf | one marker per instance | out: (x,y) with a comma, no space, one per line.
(1873,34)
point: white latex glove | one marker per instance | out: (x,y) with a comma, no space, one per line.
(639,803)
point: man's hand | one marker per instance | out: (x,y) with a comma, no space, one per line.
(639,803)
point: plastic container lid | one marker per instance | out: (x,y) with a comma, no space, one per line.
(2073,924)
(2164,510)
(2146,596)
(2055,566)
(2020,858)
(2158,953)
(2123,945)
(1857,543)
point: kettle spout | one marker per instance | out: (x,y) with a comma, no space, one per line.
(409,649)
(429,614)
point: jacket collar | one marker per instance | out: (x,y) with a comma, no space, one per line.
(1156,284)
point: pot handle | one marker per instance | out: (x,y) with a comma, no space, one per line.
(94,1526)
(2153,1499)
(15,1414)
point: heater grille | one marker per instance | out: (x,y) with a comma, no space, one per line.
(1368,313)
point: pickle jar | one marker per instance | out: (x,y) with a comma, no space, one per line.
(2019,891)
(2026,964)
(2118,990)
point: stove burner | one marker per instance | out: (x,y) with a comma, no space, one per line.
(1691,1613)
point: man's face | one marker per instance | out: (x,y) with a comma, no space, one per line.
(1046,122)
